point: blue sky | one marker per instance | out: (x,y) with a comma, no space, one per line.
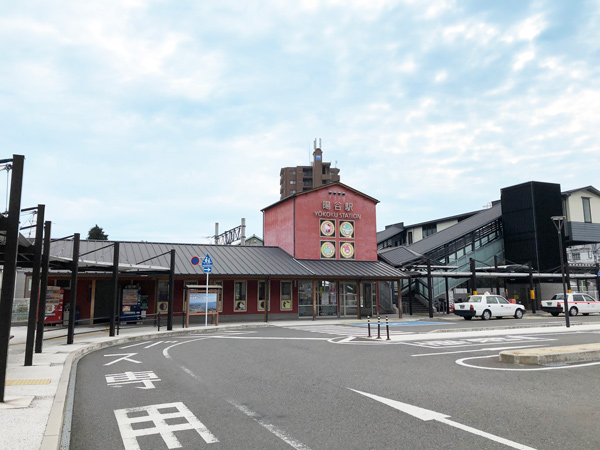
(156,119)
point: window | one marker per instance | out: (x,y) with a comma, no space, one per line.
(261,296)
(239,300)
(285,296)
(587,210)
(292,191)
(219,295)
(428,230)
(292,172)
(292,181)
(409,238)
(576,256)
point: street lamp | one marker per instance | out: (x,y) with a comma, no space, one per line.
(558,223)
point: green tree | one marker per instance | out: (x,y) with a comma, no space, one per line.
(97,233)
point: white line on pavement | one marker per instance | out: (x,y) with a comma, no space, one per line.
(427,415)
(462,362)
(272,428)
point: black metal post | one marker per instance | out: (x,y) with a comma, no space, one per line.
(39,337)
(171,291)
(73,296)
(369,325)
(473,277)
(9,271)
(400,311)
(430,289)
(115,300)
(497,278)
(531,289)
(410,312)
(35,286)
(447,305)
(378,327)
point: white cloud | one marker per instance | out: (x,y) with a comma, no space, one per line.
(523,58)
(126,111)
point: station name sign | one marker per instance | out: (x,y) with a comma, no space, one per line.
(337,210)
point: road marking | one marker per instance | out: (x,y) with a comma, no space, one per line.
(461,362)
(427,415)
(157,421)
(147,378)
(345,330)
(272,428)
(270,338)
(472,342)
(135,345)
(125,357)
(277,432)
(477,350)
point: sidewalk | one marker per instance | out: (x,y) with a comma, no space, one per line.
(31,416)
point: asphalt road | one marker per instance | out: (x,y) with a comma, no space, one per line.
(313,387)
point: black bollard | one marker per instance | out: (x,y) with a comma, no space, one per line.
(369,325)
(378,327)
(387,327)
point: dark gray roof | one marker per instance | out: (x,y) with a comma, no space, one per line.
(388,233)
(351,269)
(399,255)
(458,217)
(591,189)
(228,260)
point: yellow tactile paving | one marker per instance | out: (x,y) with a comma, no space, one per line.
(27,382)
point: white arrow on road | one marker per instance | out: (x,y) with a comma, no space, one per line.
(427,415)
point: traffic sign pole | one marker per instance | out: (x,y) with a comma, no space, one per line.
(207,267)
(206,304)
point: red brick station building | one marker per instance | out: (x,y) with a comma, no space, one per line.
(319,259)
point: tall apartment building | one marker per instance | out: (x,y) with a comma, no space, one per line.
(302,178)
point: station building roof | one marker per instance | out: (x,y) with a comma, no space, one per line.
(228,261)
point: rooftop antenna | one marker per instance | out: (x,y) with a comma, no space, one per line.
(320,143)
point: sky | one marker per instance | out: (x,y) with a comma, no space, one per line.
(156,119)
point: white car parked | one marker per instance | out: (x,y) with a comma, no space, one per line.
(578,303)
(487,306)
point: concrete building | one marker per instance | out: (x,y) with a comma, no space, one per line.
(515,232)
(293,180)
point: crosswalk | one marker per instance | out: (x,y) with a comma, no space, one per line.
(347,330)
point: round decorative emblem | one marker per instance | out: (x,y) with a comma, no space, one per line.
(327,228)
(347,250)
(327,250)
(346,229)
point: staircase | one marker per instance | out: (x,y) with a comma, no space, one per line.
(417,306)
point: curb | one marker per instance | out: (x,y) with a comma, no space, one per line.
(52,438)
(549,355)
(509,327)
